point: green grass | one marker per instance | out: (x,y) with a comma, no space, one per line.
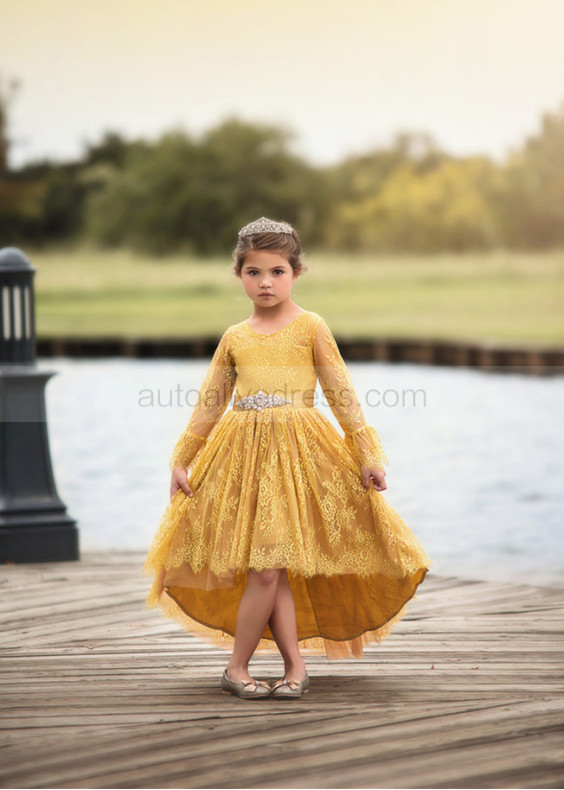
(501,296)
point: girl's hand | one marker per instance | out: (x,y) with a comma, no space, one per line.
(179,480)
(377,475)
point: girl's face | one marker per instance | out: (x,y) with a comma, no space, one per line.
(265,272)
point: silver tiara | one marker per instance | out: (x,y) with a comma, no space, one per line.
(265,225)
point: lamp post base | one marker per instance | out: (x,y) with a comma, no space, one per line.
(57,542)
(34,525)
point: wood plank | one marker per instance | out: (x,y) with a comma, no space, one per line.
(468,690)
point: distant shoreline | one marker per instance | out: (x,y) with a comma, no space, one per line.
(533,359)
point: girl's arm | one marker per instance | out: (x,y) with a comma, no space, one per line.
(362,439)
(215,394)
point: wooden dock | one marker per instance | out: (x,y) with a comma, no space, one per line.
(98,692)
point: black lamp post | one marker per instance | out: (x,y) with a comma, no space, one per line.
(34,525)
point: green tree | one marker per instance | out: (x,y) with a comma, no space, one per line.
(6,95)
(193,195)
(446,208)
(532,206)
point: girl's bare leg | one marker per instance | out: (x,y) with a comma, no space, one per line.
(282,623)
(253,614)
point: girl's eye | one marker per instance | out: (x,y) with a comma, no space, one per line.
(254,271)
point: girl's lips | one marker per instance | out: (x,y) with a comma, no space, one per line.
(266,294)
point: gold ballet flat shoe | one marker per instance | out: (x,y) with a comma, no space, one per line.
(248,689)
(284,689)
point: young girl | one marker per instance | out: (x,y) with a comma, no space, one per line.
(276,530)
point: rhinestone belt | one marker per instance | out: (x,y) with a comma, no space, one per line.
(261,400)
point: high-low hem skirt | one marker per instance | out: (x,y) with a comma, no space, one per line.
(281,488)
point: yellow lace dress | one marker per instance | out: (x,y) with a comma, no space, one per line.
(279,487)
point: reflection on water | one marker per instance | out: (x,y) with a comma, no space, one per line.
(475,459)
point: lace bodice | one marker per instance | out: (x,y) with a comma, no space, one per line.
(289,363)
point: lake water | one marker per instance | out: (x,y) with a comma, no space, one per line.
(475,458)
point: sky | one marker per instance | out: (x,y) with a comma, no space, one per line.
(344,75)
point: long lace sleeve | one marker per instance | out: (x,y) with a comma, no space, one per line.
(362,439)
(214,396)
